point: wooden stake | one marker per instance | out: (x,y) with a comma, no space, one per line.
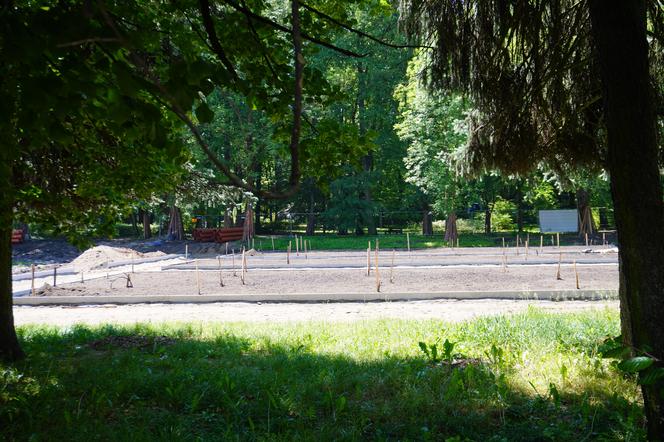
(288,253)
(541,250)
(518,242)
(503,242)
(560,258)
(408,240)
(55,276)
(603,238)
(369,259)
(132,263)
(82,279)
(527,250)
(297,246)
(221,278)
(392,268)
(558,239)
(457,241)
(304,243)
(234,274)
(198,277)
(226,248)
(376,267)
(504,261)
(33,279)
(576,273)
(272,243)
(242,267)
(586,239)
(552,243)
(186,251)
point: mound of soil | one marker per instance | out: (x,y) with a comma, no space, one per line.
(97,257)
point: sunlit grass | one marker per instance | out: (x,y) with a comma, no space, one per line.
(530,376)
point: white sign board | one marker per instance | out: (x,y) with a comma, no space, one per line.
(559,220)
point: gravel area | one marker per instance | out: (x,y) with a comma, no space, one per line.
(295,281)
(448,310)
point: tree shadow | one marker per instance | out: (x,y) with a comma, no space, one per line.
(134,384)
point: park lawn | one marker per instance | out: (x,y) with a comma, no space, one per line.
(530,376)
(397,241)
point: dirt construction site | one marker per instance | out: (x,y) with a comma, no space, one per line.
(114,275)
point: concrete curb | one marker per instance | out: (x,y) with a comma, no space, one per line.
(550,295)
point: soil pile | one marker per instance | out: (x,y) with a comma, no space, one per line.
(97,257)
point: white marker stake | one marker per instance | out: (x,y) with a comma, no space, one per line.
(221,278)
(408,240)
(198,278)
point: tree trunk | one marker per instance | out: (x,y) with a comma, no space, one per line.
(619,32)
(427,223)
(451,233)
(147,230)
(175,226)
(134,223)
(586,224)
(487,220)
(10,349)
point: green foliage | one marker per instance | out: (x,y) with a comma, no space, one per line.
(502,215)
(322,381)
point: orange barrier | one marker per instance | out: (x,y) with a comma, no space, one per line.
(17,236)
(218,235)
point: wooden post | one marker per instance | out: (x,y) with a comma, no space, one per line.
(234,274)
(541,244)
(297,246)
(392,268)
(408,240)
(504,260)
(304,243)
(457,241)
(198,277)
(242,267)
(132,263)
(376,267)
(527,250)
(33,279)
(558,239)
(227,248)
(586,239)
(576,273)
(552,243)
(503,242)
(518,242)
(272,242)
(82,279)
(186,251)
(288,253)
(55,276)
(603,238)
(245,265)
(221,278)
(560,258)
(369,259)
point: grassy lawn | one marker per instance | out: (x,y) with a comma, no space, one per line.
(532,376)
(417,241)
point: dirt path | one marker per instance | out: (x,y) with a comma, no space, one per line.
(448,310)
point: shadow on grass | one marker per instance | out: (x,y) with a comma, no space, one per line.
(135,384)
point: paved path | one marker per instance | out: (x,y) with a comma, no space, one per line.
(449,310)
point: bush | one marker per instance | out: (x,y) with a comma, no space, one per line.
(501,217)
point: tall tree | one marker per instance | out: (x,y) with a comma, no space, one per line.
(569,83)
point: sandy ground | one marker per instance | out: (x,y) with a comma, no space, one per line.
(448,310)
(339,281)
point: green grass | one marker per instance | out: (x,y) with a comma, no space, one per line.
(417,241)
(531,376)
